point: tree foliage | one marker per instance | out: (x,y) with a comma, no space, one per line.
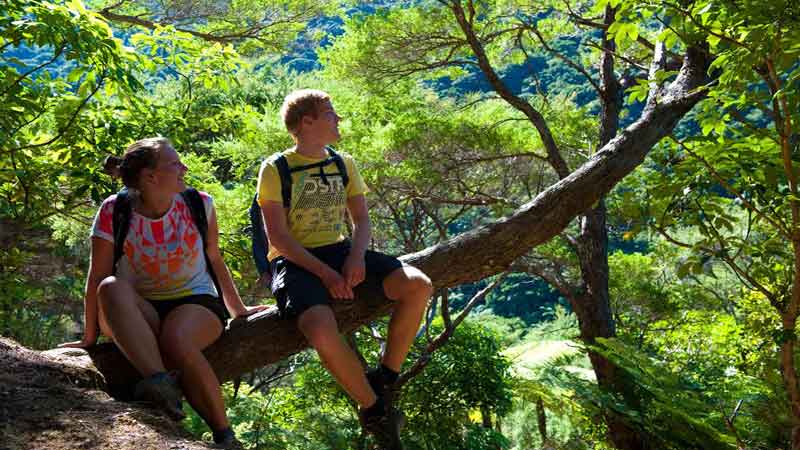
(702,263)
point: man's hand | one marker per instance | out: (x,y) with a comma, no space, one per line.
(337,285)
(354,269)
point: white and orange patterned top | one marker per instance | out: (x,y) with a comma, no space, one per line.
(163,258)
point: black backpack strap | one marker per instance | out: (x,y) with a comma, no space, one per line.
(340,166)
(120,221)
(285,175)
(285,172)
(333,158)
(259,237)
(198,210)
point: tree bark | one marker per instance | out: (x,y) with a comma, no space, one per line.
(592,305)
(266,338)
(541,421)
(789,374)
(486,417)
(593,308)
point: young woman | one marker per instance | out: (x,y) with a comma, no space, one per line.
(160,305)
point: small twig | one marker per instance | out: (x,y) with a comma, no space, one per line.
(445,335)
(575,66)
(729,423)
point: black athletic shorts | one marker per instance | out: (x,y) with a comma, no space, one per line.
(297,289)
(214,304)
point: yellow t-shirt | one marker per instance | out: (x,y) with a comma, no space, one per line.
(318,211)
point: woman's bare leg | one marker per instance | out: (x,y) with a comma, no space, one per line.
(186,331)
(132,323)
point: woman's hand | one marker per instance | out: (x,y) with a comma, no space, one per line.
(86,342)
(250,310)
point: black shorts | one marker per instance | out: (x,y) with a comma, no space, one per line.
(297,289)
(213,304)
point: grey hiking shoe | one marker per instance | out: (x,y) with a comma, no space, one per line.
(162,390)
(385,428)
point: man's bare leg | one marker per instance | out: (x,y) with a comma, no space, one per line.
(319,326)
(411,289)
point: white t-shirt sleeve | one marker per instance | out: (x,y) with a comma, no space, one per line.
(103,224)
(208,204)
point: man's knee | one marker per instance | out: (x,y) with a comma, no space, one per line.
(422,285)
(318,325)
(409,284)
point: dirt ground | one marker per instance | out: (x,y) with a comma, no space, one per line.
(54,400)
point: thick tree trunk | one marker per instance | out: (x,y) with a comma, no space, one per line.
(789,374)
(266,338)
(592,306)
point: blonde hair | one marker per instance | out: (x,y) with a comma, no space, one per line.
(301,103)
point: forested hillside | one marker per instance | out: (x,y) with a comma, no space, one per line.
(603,193)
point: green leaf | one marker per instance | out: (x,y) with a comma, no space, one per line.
(75,74)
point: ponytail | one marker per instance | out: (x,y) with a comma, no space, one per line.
(142,154)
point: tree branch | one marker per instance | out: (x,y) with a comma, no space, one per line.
(575,66)
(56,55)
(536,118)
(150,25)
(554,279)
(705,29)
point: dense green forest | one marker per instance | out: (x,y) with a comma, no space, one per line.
(663,315)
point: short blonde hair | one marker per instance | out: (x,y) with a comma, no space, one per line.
(301,103)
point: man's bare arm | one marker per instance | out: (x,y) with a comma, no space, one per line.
(279,237)
(354,270)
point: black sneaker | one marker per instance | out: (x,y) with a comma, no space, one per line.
(381,387)
(385,428)
(162,390)
(226,439)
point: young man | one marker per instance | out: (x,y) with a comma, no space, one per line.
(314,264)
